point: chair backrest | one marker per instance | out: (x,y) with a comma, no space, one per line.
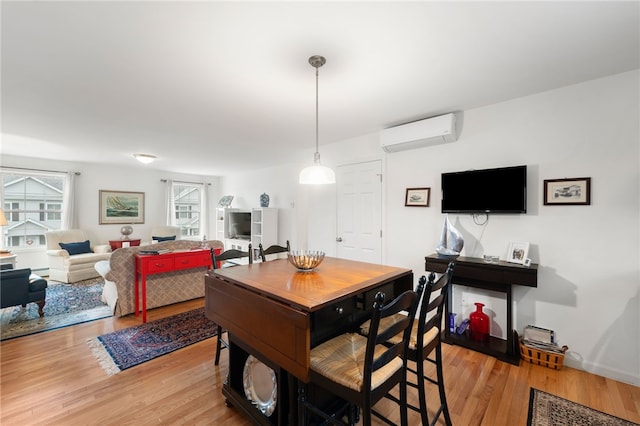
(274,249)
(230,254)
(165,231)
(433,309)
(14,286)
(379,353)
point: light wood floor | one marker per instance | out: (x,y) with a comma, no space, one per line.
(51,378)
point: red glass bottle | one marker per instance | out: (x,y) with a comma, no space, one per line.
(479,324)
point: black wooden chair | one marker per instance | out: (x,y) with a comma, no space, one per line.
(223,258)
(361,370)
(21,286)
(426,338)
(274,249)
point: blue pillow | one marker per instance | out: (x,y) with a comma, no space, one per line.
(161,239)
(76,248)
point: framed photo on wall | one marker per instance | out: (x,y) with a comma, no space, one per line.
(564,192)
(121,207)
(417,197)
(518,253)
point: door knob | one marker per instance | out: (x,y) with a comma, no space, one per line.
(339,239)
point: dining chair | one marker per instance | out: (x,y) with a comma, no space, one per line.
(274,249)
(425,340)
(361,370)
(220,261)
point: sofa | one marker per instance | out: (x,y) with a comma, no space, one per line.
(76,262)
(163,289)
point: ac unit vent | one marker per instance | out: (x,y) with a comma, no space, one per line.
(430,131)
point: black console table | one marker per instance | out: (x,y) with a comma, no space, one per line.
(475,272)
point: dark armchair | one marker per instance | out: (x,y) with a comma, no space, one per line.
(20,286)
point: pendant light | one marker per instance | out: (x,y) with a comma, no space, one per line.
(317,174)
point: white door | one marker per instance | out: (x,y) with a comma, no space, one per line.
(359,221)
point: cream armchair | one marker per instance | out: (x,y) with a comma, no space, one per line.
(76,261)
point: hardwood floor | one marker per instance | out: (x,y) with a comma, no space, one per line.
(52,378)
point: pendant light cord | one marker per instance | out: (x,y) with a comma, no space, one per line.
(317,70)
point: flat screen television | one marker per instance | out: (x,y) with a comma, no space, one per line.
(501,190)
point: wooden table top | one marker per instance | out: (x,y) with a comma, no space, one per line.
(332,281)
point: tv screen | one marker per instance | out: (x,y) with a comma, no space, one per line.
(501,190)
(240,225)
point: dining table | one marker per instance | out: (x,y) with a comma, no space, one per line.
(275,314)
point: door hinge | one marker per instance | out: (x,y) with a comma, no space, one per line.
(381,233)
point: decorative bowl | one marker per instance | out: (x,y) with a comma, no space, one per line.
(305,260)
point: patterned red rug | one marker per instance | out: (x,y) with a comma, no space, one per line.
(126,348)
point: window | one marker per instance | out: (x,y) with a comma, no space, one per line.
(188,199)
(32,203)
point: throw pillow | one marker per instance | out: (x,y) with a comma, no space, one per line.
(161,239)
(76,248)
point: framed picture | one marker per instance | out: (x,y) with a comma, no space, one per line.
(417,197)
(119,207)
(518,253)
(563,192)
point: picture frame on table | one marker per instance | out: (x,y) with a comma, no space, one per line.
(566,192)
(417,197)
(518,253)
(121,207)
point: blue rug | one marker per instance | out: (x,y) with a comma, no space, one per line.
(65,305)
(126,348)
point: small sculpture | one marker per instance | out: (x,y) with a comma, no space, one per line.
(126,230)
(451,241)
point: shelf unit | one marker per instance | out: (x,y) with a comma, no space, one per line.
(474,272)
(264,228)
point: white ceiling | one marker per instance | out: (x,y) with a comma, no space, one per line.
(219,87)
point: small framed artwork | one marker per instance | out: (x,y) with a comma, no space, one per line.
(417,197)
(121,207)
(518,253)
(564,192)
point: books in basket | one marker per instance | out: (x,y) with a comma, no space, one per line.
(158,251)
(540,338)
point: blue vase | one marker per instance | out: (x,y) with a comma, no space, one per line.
(264,200)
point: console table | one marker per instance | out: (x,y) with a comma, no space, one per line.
(116,244)
(475,272)
(148,264)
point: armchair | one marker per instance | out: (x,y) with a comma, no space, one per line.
(69,265)
(20,286)
(160,232)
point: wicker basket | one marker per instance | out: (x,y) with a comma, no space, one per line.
(546,359)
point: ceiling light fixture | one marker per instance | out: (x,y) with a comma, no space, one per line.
(145,158)
(317,174)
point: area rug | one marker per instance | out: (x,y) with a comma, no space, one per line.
(126,348)
(65,305)
(546,409)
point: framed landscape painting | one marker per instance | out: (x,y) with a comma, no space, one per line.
(121,207)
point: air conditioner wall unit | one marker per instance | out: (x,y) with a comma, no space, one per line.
(430,131)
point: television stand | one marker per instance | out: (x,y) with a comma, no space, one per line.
(475,272)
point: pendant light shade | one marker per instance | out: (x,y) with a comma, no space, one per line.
(317,174)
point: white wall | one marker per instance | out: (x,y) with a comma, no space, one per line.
(588,256)
(96,177)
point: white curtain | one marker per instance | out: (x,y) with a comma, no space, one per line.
(69,209)
(204,215)
(170,203)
